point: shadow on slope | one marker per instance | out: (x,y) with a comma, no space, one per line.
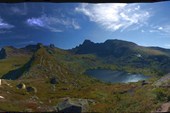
(15,74)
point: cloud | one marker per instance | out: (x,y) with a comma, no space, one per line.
(51,23)
(142,31)
(54,29)
(75,25)
(4,25)
(36,22)
(20,9)
(153,31)
(115,16)
(17,10)
(25,43)
(4,31)
(165,28)
(161,29)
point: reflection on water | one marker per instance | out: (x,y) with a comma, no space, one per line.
(115,76)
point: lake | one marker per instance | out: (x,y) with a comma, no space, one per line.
(115,76)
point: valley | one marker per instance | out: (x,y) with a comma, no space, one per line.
(44,78)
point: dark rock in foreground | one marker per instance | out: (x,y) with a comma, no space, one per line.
(31,89)
(53,80)
(21,86)
(73,105)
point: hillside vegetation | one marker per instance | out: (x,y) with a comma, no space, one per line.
(47,75)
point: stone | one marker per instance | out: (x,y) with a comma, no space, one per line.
(73,105)
(21,86)
(144,82)
(1,97)
(65,89)
(91,101)
(53,80)
(35,98)
(31,89)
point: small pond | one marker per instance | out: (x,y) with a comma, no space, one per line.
(115,76)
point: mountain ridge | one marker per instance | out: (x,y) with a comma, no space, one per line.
(111,54)
(118,45)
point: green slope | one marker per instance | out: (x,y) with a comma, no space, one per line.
(48,62)
(14,59)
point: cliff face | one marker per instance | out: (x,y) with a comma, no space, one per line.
(3,53)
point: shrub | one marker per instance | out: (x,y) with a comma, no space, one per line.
(160,94)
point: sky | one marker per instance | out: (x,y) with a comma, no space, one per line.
(66,25)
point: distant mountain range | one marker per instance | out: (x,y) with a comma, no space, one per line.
(117,48)
(46,61)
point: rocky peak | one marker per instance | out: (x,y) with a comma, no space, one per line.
(52,46)
(87,42)
(30,48)
(119,42)
(33,48)
(39,45)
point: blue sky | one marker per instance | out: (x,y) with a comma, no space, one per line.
(68,24)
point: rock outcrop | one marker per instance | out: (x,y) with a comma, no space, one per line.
(53,80)
(21,86)
(73,105)
(31,89)
(3,53)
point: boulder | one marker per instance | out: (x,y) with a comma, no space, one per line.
(73,105)
(53,80)
(21,86)
(31,89)
(144,83)
(1,97)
